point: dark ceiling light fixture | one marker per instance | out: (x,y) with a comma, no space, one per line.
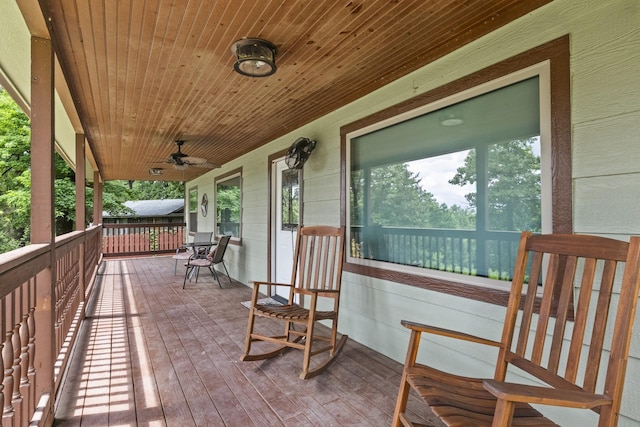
(255,57)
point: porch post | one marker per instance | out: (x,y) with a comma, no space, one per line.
(97,198)
(81,212)
(42,208)
(81,177)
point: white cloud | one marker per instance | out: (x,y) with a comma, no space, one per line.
(435,173)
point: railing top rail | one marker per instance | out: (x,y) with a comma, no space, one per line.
(136,225)
(19,265)
(16,257)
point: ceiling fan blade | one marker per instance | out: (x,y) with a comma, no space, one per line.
(205,165)
(193,160)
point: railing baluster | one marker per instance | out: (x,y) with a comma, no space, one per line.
(7,358)
(16,398)
(23,330)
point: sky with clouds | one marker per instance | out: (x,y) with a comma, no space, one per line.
(434,174)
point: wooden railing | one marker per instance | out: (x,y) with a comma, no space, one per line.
(139,239)
(461,251)
(42,295)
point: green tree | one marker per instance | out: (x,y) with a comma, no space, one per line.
(228,201)
(157,190)
(397,199)
(15,182)
(15,161)
(514,193)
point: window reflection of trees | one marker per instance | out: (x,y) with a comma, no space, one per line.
(290,199)
(228,204)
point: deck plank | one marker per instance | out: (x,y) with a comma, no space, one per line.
(153,354)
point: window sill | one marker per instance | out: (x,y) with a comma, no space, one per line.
(475,288)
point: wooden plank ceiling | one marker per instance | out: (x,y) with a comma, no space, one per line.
(145,73)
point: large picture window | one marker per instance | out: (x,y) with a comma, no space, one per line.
(442,189)
(452,188)
(229,205)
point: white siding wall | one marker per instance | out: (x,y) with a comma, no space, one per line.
(605,68)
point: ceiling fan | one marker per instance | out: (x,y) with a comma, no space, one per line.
(181,160)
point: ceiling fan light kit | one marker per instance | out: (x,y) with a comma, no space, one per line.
(299,152)
(254,57)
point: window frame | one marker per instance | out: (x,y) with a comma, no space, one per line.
(236,173)
(558,216)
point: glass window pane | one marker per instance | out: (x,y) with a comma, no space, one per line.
(193,200)
(290,199)
(193,210)
(228,201)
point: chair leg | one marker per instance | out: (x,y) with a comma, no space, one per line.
(307,349)
(226,271)
(403,393)
(213,272)
(186,273)
(401,403)
(250,324)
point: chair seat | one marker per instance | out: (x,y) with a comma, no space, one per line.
(458,400)
(291,312)
(200,262)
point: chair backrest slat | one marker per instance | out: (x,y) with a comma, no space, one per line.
(565,298)
(529,303)
(551,278)
(580,322)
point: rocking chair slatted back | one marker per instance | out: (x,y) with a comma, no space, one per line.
(559,328)
(562,327)
(317,262)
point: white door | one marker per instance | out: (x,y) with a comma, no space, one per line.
(286,206)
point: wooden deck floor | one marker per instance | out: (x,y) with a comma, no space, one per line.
(153,354)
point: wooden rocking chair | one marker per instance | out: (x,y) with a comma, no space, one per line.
(317,273)
(561,349)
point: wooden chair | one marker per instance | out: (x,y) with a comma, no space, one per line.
(558,333)
(317,273)
(216,256)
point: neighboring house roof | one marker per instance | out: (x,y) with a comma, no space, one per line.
(151,208)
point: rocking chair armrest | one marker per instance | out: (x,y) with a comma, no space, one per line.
(419,327)
(317,291)
(257,283)
(513,392)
